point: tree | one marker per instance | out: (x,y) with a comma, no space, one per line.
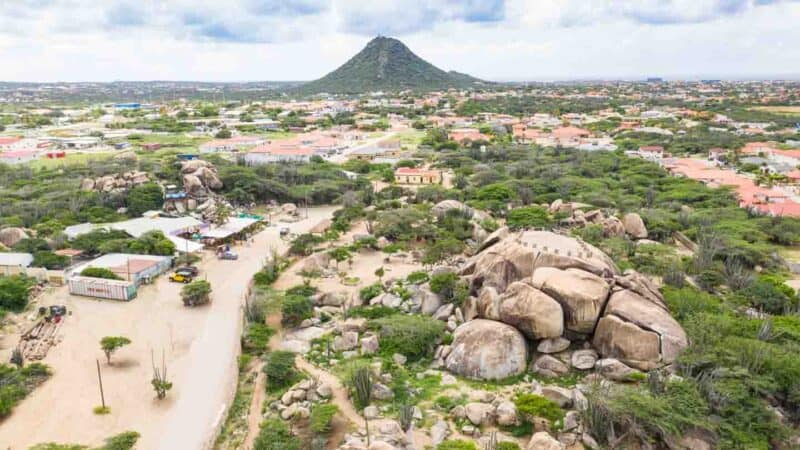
(50,260)
(223,134)
(379,272)
(145,197)
(110,344)
(339,254)
(221,215)
(99,272)
(14,291)
(196,293)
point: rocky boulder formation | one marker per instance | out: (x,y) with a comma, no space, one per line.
(10,236)
(634,226)
(581,295)
(487,350)
(557,290)
(638,332)
(531,311)
(120,182)
(199,177)
(515,256)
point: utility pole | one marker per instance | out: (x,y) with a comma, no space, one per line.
(100,380)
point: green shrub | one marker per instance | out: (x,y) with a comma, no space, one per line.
(197,292)
(507,445)
(266,276)
(411,335)
(321,416)
(303,290)
(370,292)
(371,312)
(16,384)
(450,287)
(457,444)
(418,277)
(528,217)
(256,337)
(49,260)
(14,292)
(280,369)
(532,405)
(100,272)
(770,295)
(275,435)
(296,309)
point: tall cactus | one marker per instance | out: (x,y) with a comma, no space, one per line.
(362,389)
(159,381)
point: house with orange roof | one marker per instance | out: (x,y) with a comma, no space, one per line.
(525,135)
(758,148)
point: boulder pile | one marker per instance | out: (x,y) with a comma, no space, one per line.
(199,177)
(553,292)
(580,215)
(120,182)
(297,401)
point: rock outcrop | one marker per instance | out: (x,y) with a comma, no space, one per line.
(116,183)
(531,311)
(199,177)
(638,332)
(556,290)
(10,236)
(634,226)
(517,255)
(487,350)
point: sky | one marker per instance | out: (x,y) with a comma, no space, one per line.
(498,40)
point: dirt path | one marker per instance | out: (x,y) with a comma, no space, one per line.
(254,415)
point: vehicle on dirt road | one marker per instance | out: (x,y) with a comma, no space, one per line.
(228,255)
(181,277)
(285,231)
(191,270)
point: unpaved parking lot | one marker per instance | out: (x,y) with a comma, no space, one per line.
(200,346)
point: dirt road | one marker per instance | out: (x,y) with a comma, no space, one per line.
(200,345)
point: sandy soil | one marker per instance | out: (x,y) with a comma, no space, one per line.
(364,265)
(200,347)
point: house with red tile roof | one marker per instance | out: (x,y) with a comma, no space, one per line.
(767,200)
(525,135)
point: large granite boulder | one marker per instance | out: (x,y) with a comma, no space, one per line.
(581,295)
(488,350)
(543,441)
(638,332)
(531,311)
(634,226)
(10,236)
(517,256)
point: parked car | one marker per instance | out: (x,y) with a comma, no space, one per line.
(192,270)
(228,255)
(181,277)
(285,231)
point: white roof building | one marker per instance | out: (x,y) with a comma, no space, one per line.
(16,259)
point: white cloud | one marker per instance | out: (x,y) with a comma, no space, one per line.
(302,39)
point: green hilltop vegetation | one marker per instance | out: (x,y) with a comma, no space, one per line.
(386,64)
